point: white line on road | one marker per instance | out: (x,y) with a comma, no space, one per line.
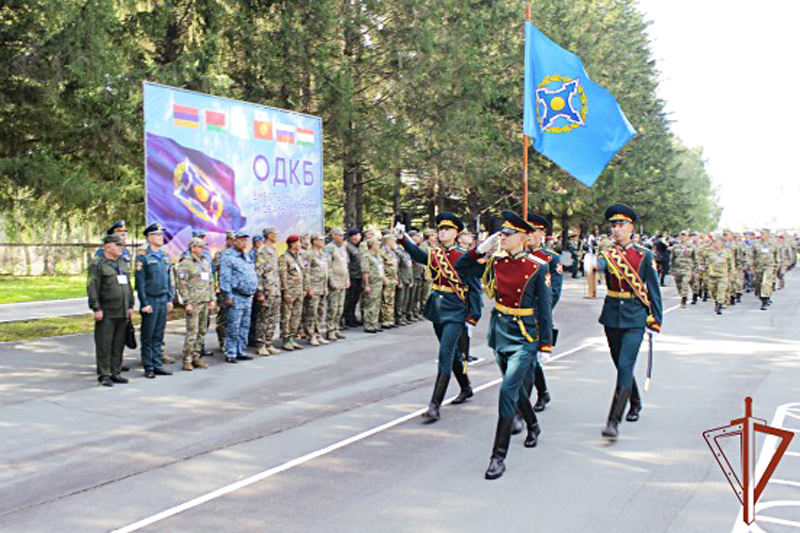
(319,453)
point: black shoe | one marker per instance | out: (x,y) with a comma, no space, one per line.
(533,436)
(738,298)
(231,360)
(243,358)
(105,382)
(463,396)
(161,372)
(763,304)
(497,468)
(432,414)
(125,368)
(370,331)
(119,379)
(633,412)
(518,425)
(541,401)
(694,298)
(718,309)
(149,374)
(471,358)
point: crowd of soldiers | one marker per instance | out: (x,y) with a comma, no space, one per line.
(725,266)
(308,294)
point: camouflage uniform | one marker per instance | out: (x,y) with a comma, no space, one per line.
(405,278)
(682,265)
(337,287)
(720,264)
(785,255)
(222,311)
(700,281)
(372,265)
(317,283)
(766,258)
(415,301)
(744,263)
(389,284)
(427,284)
(292,276)
(196,288)
(269,288)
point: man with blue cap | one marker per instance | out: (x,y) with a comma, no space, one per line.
(238,283)
(155,292)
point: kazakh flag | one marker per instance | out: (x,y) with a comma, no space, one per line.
(572,120)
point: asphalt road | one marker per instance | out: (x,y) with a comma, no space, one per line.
(329,439)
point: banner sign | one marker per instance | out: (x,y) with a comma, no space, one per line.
(217,164)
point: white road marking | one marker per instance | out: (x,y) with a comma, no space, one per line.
(318,453)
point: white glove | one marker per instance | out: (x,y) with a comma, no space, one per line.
(399,230)
(470,329)
(489,244)
(544,357)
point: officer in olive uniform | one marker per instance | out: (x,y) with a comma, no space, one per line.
(155,292)
(454,301)
(338,283)
(268,295)
(119,229)
(111,298)
(196,288)
(293,290)
(521,323)
(632,303)
(238,283)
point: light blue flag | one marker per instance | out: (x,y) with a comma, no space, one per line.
(572,120)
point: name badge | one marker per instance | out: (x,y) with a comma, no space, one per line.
(122,279)
(204,276)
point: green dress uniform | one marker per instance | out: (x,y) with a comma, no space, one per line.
(521,325)
(455,299)
(109,290)
(632,303)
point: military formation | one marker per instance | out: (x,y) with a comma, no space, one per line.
(313,290)
(723,267)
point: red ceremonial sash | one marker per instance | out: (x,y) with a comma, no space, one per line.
(623,270)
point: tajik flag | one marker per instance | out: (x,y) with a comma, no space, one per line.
(305,137)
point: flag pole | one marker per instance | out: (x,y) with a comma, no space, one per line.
(525,148)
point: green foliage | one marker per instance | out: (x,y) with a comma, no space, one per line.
(421,102)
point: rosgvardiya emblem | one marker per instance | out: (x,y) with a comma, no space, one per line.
(560,104)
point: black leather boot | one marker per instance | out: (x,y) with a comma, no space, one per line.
(463,381)
(705,296)
(733,300)
(542,396)
(718,308)
(518,425)
(502,437)
(763,304)
(618,404)
(529,415)
(694,298)
(439,390)
(683,302)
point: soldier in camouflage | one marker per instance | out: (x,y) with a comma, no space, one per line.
(405,284)
(317,290)
(196,288)
(682,265)
(372,266)
(720,263)
(293,290)
(390,281)
(785,253)
(222,311)
(338,282)
(766,258)
(268,295)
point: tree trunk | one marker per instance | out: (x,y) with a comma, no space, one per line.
(564,230)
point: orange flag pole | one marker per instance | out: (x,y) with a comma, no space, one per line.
(525,150)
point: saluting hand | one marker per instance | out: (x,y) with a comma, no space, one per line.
(489,244)
(399,230)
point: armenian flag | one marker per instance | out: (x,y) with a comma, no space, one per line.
(185,117)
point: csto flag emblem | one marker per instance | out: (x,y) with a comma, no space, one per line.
(572,120)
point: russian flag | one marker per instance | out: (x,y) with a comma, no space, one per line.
(284,133)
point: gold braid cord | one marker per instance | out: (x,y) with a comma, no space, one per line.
(488,280)
(447,272)
(623,270)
